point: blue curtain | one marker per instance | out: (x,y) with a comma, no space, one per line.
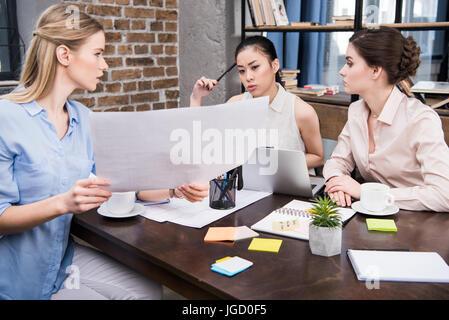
(307,47)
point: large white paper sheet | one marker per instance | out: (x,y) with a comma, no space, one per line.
(198,214)
(167,148)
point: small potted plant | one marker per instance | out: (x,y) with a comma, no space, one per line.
(325,228)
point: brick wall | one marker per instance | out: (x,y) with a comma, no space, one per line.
(142,54)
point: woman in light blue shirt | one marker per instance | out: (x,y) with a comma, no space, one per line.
(46,157)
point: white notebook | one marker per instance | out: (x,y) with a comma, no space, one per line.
(374,265)
(292,210)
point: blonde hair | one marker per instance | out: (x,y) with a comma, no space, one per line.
(58,25)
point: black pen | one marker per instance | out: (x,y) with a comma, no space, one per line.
(230,68)
(228,184)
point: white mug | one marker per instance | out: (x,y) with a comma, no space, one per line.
(375,196)
(121,202)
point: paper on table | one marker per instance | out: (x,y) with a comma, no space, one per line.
(198,214)
(163,149)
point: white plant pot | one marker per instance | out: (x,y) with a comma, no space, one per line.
(324,242)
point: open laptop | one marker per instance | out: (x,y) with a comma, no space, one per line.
(280,171)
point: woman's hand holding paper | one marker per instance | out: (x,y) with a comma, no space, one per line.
(194,192)
(84,195)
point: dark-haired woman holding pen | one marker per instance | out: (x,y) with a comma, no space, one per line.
(296,121)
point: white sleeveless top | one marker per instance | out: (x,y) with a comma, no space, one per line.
(281,116)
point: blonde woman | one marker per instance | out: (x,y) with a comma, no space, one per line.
(46,157)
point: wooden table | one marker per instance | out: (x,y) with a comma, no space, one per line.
(177,257)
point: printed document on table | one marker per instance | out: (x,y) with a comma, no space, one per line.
(198,214)
(167,148)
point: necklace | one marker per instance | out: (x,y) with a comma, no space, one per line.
(374,116)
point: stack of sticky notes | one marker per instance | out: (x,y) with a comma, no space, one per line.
(381,225)
(231,266)
(228,234)
(267,245)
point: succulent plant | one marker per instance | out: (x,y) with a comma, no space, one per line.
(325,214)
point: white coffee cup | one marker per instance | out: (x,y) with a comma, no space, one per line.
(121,202)
(375,196)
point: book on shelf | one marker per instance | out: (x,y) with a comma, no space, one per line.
(289,78)
(261,13)
(329,89)
(405,87)
(254,6)
(290,83)
(343,17)
(251,12)
(279,12)
(343,22)
(289,73)
(312,92)
(304,23)
(268,13)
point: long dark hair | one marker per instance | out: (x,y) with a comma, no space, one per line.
(387,48)
(263,44)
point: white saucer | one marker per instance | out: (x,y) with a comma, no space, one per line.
(393,209)
(138,209)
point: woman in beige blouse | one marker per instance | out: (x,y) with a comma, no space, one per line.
(391,138)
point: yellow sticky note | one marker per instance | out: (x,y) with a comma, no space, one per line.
(222,259)
(269,245)
(381,225)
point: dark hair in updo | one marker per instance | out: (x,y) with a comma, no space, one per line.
(264,45)
(387,48)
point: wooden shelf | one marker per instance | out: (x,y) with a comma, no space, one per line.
(418,26)
(340,99)
(349,27)
(324,28)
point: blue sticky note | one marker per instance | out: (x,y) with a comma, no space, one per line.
(232,266)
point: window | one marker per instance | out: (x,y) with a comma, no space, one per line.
(10,42)
(433,43)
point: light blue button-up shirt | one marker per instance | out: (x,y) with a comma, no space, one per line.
(35,165)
